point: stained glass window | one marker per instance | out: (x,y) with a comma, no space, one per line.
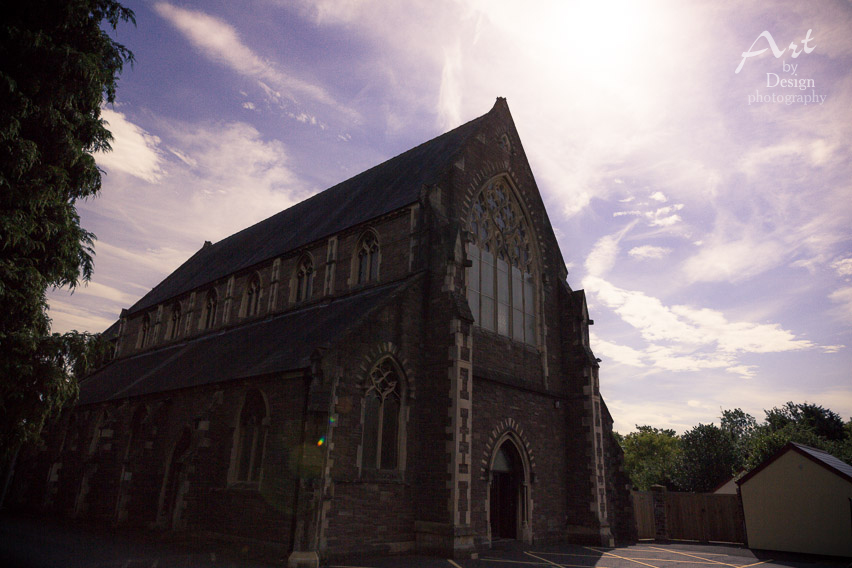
(501,284)
(382,413)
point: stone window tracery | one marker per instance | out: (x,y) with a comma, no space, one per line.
(305,279)
(209,315)
(383,406)
(368,258)
(501,279)
(253,296)
(174,322)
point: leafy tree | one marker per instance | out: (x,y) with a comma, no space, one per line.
(741,426)
(766,441)
(708,457)
(57,66)
(650,455)
(822,421)
(738,423)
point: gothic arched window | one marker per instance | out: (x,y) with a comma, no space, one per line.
(305,279)
(209,315)
(250,439)
(501,279)
(368,258)
(174,322)
(383,405)
(253,296)
(144,332)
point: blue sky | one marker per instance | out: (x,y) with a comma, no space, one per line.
(706,212)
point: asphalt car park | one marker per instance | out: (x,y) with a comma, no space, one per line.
(38,542)
(647,555)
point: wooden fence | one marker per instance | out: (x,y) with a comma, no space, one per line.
(704,517)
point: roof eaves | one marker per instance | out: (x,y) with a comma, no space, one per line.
(801,449)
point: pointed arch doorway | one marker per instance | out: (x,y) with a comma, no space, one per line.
(508,495)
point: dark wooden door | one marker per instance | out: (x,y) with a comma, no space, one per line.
(504,505)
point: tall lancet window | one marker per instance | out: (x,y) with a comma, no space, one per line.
(253,296)
(382,415)
(368,259)
(501,279)
(305,279)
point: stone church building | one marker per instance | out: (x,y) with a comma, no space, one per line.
(396,364)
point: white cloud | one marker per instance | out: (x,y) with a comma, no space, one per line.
(794,152)
(843,297)
(67,316)
(134,151)
(746,371)
(649,252)
(843,266)
(659,196)
(682,338)
(602,257)
(723,258)
(450,94)
(219,179)
(219,41)
(615,352)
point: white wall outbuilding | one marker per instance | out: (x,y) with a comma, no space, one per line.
(799,500)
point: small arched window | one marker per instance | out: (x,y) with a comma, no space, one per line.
(368,258)
(250,439)
(144,332)
(305,279)
(253,296)
(174,322)
(383,405)
(209,315)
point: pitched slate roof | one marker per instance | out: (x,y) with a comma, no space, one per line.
(280,343)
(370,194)
(820,457)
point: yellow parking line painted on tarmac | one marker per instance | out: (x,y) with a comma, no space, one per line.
(621,557)
(648,559)
(543,559)
(756,563)
(638,546)
(514,561)
(453,563)
(693,556)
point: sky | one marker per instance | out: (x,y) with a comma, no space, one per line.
(694,158)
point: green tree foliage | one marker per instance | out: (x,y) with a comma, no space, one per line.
(821,421)
(650,455)
(741,426)
(57,66)
(708,457)
(804,423)
(705,456)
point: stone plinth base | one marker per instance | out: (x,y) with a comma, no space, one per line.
(441,539)
(303,560)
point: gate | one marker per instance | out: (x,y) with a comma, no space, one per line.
(689,516)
